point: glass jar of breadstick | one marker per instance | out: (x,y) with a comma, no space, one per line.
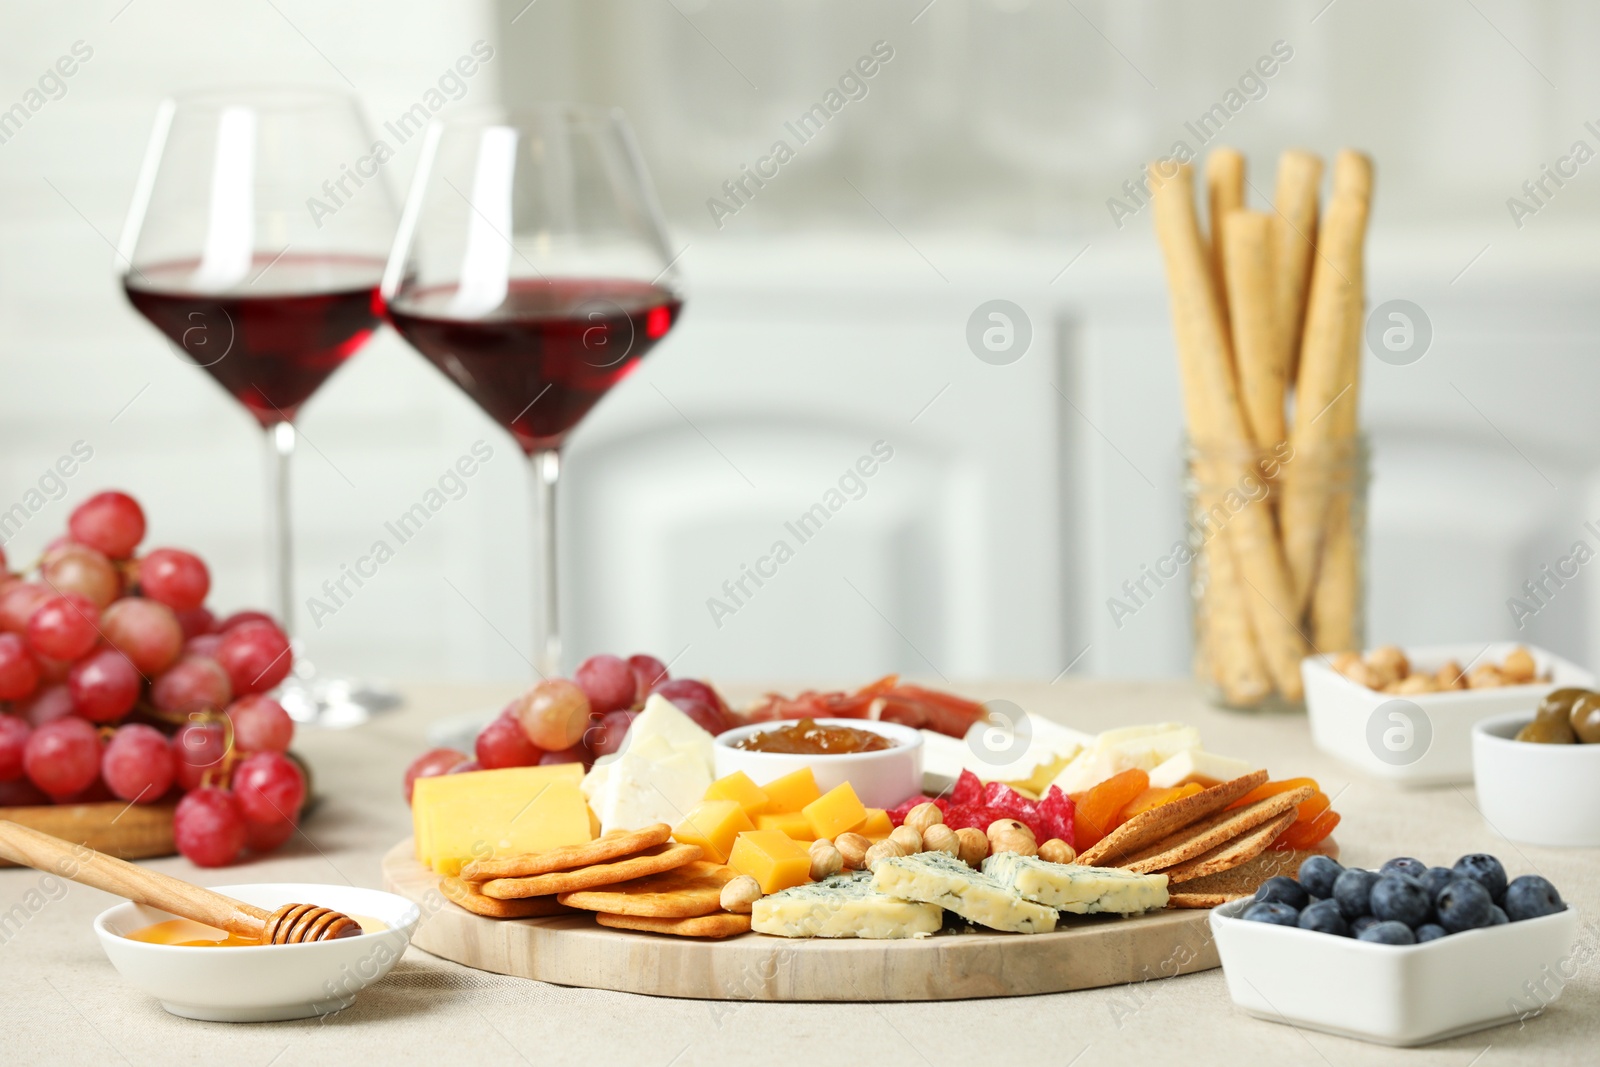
(1276,544)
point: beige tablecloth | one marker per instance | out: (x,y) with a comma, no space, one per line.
(62,1003)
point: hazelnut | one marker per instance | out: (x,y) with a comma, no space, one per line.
(923,816)
(1011,841)
(1390,660)
(853,848)
(1451,676)
(1415,683)
(1008,826)
(825,861)
(881,851)
(908,839)
(1057,851)
(819,842)
(1344,662)
(1363,675)
(1485,676)
(972,846)
(1518,666)
(739,894)
(940,838)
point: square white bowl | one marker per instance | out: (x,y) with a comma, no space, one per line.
(1533,793)
(1394,994)
(1422,738)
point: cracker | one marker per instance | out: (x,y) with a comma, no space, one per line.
(466,895)
(1242,881)
(1208,833)
(681,893)
(723,924)
(650,861)
(1230,854)
(612,846)
(1148,827)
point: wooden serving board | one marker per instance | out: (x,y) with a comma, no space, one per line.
(574,950)
(127,831)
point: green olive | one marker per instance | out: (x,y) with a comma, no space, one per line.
(1558,702)
(1548,731)
(1585,719)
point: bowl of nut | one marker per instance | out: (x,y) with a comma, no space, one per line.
(1407,715)
(1538,775)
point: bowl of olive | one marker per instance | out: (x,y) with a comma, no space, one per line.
(1539,776)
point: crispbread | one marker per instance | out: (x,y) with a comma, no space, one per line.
(1247,846)
(1208,833)
(722,924)
(612,846)
(466,895)
(681,893)
(1151,826)
(651,861)
(1210,890)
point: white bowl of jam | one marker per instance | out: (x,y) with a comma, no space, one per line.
(882,761)
(199,972)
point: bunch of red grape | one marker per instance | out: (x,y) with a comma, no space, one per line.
(561,721)
(117,683)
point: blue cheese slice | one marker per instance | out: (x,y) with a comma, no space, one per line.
(1076,889)
(843,905)
(938,878)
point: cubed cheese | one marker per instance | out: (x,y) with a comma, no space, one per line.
(792,823)
(838,811)
(739,788)
(714,825)
(793,791)
(772,858)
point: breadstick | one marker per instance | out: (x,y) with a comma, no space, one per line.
(1240,675)
(1326,390)
(1246,239)
(1333,605)
(1294,224)
(1216,421)
(1224,193)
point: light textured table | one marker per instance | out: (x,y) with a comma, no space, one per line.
(61,1002)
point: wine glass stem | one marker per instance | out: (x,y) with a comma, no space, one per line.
(547,630)
(280,447)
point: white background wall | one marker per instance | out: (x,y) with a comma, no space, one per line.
(831,312)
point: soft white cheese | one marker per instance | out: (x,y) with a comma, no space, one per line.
(638,791)
(1199,764)
(1126,748)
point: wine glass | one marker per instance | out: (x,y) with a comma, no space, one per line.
(531,267)
(256,241)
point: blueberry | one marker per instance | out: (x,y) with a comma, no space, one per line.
(1484,868)
(1271,912)
(1317,875)
(1431,932)
(1398,898)
(1530,897)
(1324,917)
(1498,916)
(1281,890)
(1353,891)
(1404,865)
(1363,923)
(1388,933)
(1436,879)
(1463,905)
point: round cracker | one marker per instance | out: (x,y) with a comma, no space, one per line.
(650,861)
(681,893)
(612,846)
(723,924)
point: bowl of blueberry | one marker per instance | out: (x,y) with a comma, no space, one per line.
(1404,955)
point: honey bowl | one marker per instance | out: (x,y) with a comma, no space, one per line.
(260,983)
(881,778)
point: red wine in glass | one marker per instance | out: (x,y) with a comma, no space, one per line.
(540,360)
(273,342)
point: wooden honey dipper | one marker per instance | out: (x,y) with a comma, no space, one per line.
(292,924)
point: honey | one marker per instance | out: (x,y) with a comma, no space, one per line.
(190,934)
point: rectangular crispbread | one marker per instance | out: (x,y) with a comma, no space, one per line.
(1247,846)
(1210,890)
(1161,822)
(1212,831)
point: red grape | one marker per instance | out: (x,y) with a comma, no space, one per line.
(72,568)
(194,683)
(19,674)
(575,754)
(176,578)
(688,688)
(196,622)
(504,744)
(96,792)
(111,522)
(554,714)
(50,703)
(704,715)
(606,736)
(138,764)
(648,672)
(269,788)
(18,603)
(608,682)
(104,686)
(21,793)
(146,631)
(62,757)
(64,627)
(13,738)
(209,827)
(433,762)
(198,747)
(260,724)
(256,656)
(239,618)
(267,837)
(203,645)
(3,563)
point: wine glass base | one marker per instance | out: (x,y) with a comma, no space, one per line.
(334,703)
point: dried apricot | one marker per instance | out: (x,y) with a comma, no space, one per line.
(1097,811)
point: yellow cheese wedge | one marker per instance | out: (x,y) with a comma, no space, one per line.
(713,826)
(791,823)
(462,817)
(739,788)
(793,791)
(772,858)
(838,811)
